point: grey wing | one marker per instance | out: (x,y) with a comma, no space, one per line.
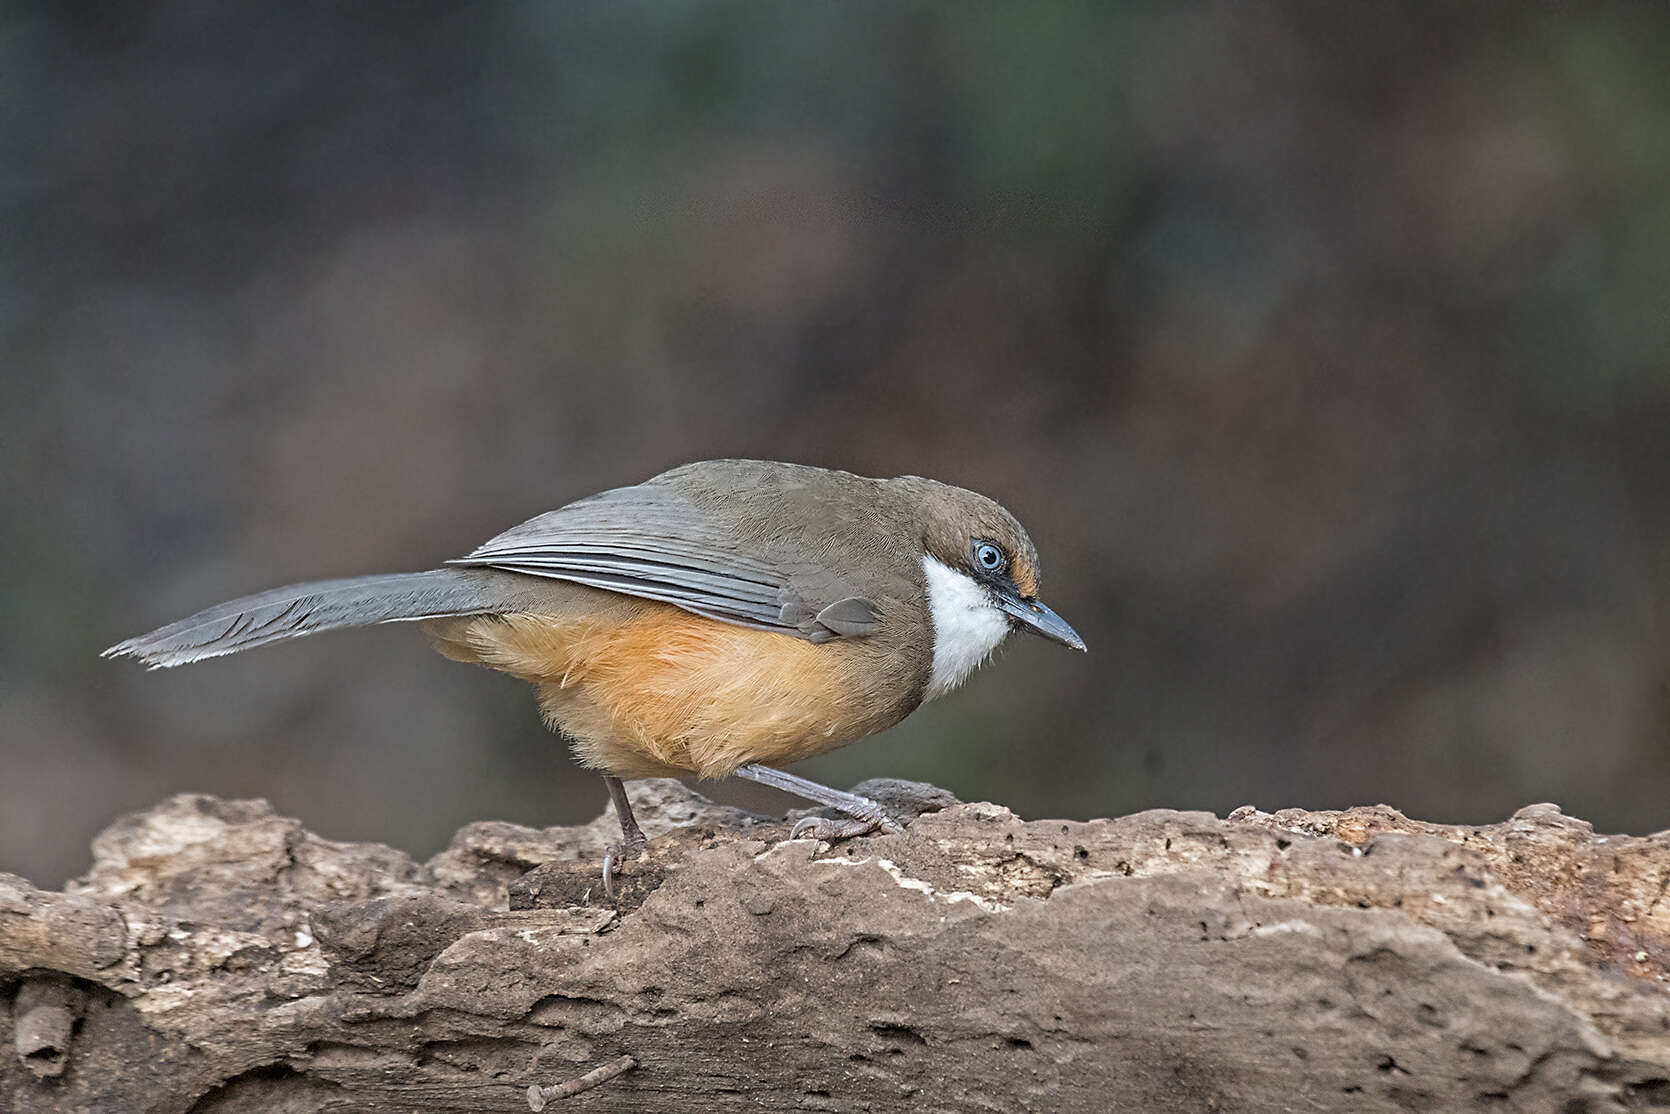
(652,542)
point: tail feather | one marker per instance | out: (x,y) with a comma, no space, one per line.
(300,609)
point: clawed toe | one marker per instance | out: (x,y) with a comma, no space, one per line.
(863,816)
(824,828)
(614,856)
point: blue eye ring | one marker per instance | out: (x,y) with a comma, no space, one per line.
(988,557)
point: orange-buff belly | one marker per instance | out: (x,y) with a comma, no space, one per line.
(650,690)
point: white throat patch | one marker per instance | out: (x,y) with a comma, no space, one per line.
(967,626)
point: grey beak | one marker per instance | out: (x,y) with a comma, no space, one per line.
(1041,620)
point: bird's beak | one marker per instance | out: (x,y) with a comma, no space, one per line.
(1041,620)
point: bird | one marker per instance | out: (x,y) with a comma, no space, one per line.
(726,617)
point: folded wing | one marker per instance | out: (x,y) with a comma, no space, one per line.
(652,542)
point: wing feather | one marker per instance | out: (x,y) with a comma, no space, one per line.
(652,542)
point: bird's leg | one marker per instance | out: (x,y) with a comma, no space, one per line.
(632,840)
(866,816)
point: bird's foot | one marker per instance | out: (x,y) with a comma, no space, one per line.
(616,854)
(862,822)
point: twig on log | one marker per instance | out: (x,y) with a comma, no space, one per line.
(538,1096)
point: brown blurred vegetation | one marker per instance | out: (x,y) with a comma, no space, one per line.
(1324,349)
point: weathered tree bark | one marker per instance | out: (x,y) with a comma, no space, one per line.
(219,958)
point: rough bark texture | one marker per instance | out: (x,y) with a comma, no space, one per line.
(219,958)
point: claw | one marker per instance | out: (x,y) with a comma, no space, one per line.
(613,856)
(822,827)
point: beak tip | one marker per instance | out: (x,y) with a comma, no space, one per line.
(1041,620)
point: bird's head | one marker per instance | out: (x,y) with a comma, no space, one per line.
(981,576)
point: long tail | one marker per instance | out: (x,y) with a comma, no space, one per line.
(299,609)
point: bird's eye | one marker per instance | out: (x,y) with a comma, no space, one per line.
(988,556)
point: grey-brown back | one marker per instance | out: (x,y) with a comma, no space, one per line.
(788,548)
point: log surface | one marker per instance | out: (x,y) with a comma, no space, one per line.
(219,958)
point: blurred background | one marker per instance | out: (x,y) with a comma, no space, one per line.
(1325,352)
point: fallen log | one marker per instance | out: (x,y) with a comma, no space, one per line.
(219,958)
